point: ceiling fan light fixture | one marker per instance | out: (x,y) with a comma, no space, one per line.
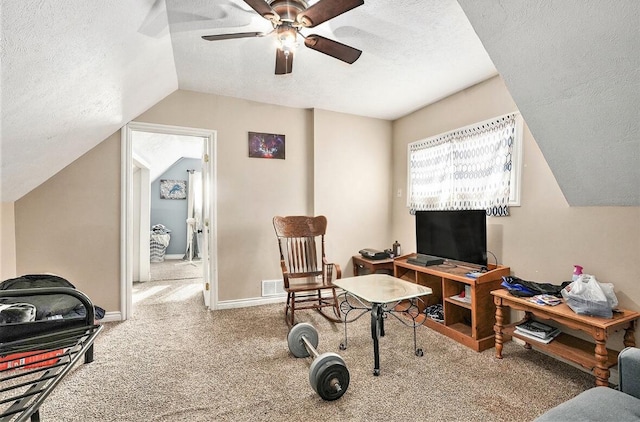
(287,37)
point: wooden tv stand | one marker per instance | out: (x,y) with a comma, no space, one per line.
(471,323)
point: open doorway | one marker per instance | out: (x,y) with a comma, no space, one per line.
(169,220)
(171,209)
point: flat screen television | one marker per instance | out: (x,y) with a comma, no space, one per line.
(458,235)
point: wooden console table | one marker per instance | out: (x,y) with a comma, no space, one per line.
(373,266)
(596,358)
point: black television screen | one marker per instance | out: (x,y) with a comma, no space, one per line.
(459,235)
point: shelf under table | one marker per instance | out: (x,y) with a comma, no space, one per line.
(569,347)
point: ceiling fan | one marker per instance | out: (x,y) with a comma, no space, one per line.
(288,17)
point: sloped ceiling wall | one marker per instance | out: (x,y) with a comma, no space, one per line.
(160,150)
(73,73)
(573,68)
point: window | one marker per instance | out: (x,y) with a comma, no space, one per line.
(475,167)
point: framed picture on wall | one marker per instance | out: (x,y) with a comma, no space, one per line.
(266,145)
(173,189)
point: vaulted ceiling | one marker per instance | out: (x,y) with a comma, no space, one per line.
(73,73)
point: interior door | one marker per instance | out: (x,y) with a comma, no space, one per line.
(206,224)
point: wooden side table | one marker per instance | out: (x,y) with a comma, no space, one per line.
(374,266)
(594,357)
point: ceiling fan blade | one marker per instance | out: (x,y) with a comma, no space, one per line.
(332,48)
(324,10)
(232,36)
(284,63)
(262,7)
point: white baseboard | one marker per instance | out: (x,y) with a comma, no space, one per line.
(257,301)
(111,316)
(245,303)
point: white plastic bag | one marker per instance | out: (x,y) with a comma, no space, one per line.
(607,288)
(586,296)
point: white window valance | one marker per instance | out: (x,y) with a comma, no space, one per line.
(468,168)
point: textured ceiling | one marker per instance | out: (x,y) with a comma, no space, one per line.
(414,52)
(73,73)
(159,151)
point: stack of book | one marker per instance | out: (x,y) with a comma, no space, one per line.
(537,331)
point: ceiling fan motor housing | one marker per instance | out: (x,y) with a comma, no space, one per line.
(288,10)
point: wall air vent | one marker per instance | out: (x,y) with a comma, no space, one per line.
(272,288)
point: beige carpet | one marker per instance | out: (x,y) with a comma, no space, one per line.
(175,361)
(175,269)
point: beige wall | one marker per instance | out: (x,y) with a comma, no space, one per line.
(250,190)
(324,158)
(352,186)
(7,241)
(70,225)
(544,237)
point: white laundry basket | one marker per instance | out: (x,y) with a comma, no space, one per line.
(160,239)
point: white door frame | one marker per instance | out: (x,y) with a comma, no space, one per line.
(126,213)
(141,184)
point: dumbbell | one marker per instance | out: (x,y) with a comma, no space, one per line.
(328,374)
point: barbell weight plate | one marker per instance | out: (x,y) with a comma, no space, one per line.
(318,362)
(332,380)
(294,339)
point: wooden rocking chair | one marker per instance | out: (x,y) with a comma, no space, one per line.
(306,273)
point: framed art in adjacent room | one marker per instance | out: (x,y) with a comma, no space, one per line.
(266,145)
(173,189)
